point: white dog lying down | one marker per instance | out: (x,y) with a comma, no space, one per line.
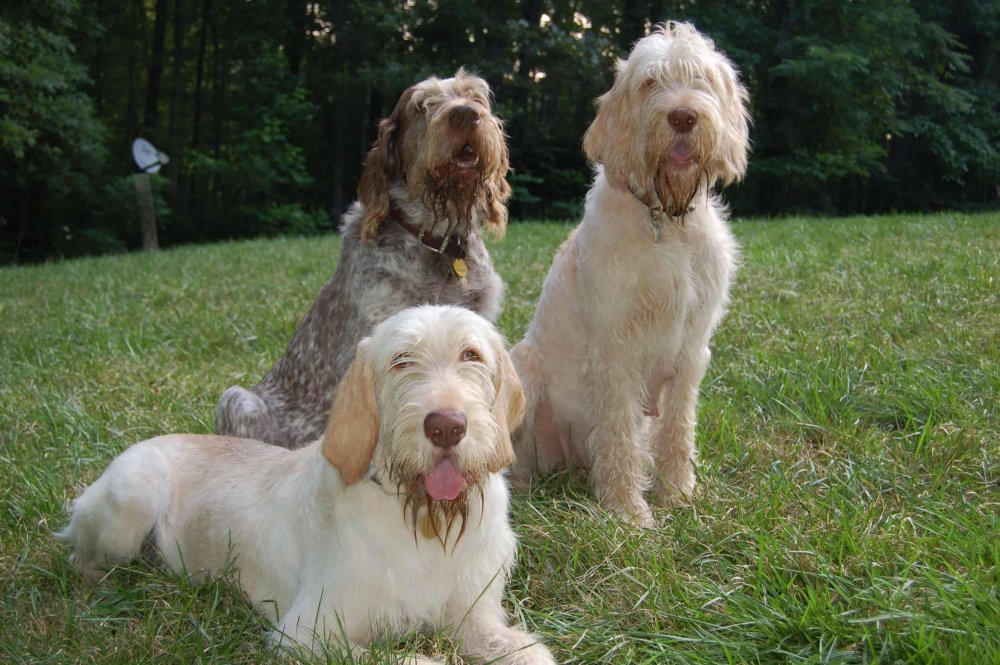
(395,520)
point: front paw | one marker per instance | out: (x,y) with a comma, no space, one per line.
(676,488)
(534,654)
(632,509)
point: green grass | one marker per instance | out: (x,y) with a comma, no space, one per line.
(849,480)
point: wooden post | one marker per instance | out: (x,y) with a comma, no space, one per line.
(147,211)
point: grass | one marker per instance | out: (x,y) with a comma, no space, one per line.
(849,481)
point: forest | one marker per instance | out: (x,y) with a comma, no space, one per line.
(267,109)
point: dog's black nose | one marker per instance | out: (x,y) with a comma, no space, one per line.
(444,428)
(463,117)
(682,119)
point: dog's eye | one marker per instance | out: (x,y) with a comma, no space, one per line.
(401,361)
(471,356)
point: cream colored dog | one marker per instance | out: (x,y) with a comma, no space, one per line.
(395,520)
(612,361)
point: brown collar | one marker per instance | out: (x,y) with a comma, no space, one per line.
(657,213)
(451,245)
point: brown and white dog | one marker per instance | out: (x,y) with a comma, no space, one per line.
(395,520)
(434,179)
(613,359)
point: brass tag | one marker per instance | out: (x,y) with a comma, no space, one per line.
(459,268)
(427,529)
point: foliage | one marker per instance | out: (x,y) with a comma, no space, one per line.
(51,142)
(254,182)
(268,109)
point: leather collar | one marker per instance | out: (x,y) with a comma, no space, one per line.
(657,213)
(452,245)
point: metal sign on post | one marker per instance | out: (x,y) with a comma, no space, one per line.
(149,160)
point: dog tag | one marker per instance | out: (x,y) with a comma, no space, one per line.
(656,231)
(459,268)
(427,529)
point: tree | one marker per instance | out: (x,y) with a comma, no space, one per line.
(51,143)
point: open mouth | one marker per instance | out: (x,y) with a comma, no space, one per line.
(445,482)
(466,159)
(682,155)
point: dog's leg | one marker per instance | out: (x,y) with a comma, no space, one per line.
(112,517)
(619,455)
(485,637)
(523,438)
(301,642)
(242,413)
(673,436)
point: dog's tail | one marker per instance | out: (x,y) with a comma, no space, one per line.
(244,414)
(111,519)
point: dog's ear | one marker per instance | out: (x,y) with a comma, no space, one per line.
(383,164)
(497,189)
(737,124)
(353,427)
(508,408)
(612,130)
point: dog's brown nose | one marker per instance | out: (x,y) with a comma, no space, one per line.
(682,119)
(463,117)
(444,428)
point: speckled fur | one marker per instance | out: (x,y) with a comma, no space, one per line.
(381,275)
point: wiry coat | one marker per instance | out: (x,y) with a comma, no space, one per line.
(613,358)
(440,164)
(326,539)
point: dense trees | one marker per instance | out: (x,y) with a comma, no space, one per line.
(267,108)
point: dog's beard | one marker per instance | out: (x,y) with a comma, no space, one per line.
(451,197)
(677,190)
(442,517)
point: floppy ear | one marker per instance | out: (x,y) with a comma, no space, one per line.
(498,191)
(609,139)
(352,429)
(737,141)
(383,164)
(508,409)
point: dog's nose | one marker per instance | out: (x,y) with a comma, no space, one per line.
(682,119)
(463,117)
(444,428)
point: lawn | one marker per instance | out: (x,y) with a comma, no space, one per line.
(849,481)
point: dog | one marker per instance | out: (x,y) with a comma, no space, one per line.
(396,519)
(612,361)
(435,177)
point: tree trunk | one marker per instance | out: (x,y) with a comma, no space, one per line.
(176,92)
(131,106)
(199,74)
(295,34)
(155,70)
(217,84)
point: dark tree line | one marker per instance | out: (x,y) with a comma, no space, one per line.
(268,108)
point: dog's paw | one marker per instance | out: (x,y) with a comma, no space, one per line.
(633,510)
(676,490)
(419,660)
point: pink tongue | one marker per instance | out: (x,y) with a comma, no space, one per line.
(445,482)
(682,153)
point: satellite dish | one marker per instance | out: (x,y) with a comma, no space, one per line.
(147,157)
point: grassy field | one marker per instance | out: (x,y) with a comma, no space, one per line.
(849,482)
